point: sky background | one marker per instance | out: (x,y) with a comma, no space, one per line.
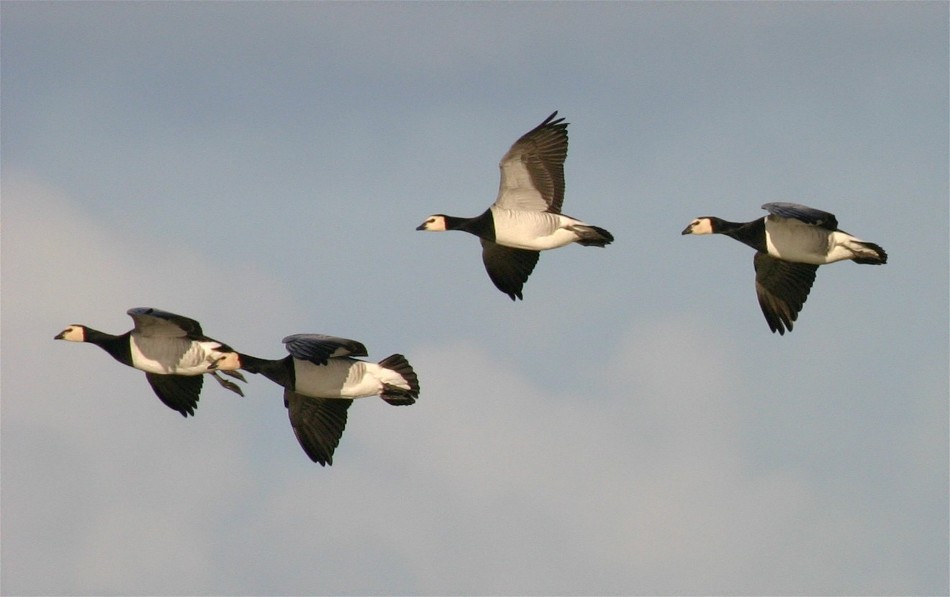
(631,427)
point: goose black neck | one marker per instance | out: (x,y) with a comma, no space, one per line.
(117,346)
(750,233)
(482,225)
(280,371)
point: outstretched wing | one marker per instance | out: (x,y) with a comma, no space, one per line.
(318,348)
(178,392)
(782,287)
(532,171)
(156,323)
(318,424)
(508,268)
(803,213)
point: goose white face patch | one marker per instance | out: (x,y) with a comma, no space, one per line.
(229,362)
(74,333)
(433,224)
(700,226)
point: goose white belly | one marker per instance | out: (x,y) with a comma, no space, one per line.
(792,240)
(532,230)
(173,356)
(339,378)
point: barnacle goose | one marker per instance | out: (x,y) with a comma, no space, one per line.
(321,379)
(171,350)
(526,217)
(790,243)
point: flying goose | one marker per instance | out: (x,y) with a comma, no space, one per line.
(171,350)
(321,379)
(526,217)
(790,243)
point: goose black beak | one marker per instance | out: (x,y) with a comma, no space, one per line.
(421,226)
(687,230)
(60,335)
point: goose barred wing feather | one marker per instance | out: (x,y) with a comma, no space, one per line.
(532,171)
(318,348)
(178,392)
(318,424)
(157,323)
(782,288)
(508,268)
(803,213)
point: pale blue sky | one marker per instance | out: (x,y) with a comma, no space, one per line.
(631,427)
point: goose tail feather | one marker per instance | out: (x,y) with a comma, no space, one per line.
(869,253)
(592,236)
(403,386)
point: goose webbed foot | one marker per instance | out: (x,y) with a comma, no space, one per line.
(235,374)
(229,385)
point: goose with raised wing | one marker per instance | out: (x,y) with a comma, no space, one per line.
(172,351)
(790,243)
(526,217)
(321,378)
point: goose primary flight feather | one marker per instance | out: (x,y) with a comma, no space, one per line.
(172,351)
(526,217)
(790,243)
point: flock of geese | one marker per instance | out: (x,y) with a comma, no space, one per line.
(321,375)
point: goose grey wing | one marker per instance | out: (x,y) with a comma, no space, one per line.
(178,392)
(157,323)
(318,424)
(532,171)
(508,268)
(782,288)
(318,348)
(803,213)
